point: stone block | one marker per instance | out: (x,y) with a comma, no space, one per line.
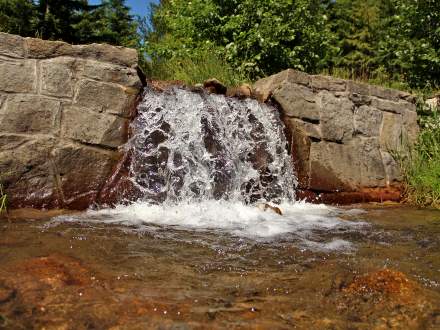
(30,114)
(297,77)
(90,127)
(410,126)
(358,88)
(392,106)
(391,135)
(297,101)
(299,145)
(336,116)
(18,76)
(392,169)
(110,73)
(37,48)
(328,83)
(308,129)
(346,167)
(11,45)
(81,172)
(367,121)
(334,167)
(105,97)
(372,170)
(385,93)
(26,170)
(264,88)
(359,99)
(57,77)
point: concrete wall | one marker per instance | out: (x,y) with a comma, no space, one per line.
(64,111)
(342,134)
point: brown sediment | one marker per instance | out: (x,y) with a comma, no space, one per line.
(364,195)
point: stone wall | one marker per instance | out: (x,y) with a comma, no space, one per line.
(342,134)
(64,111)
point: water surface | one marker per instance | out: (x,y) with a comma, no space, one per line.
(144,267)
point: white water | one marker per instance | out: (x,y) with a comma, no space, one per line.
(191,147)
(314,227)
(201,162)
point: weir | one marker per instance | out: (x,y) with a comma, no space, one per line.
(190,146)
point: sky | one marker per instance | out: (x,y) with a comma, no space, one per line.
(138,7)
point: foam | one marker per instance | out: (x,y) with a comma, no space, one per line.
(303,222)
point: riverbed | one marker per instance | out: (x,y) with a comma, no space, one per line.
(377,267)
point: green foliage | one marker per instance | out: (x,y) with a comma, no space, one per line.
(193,70)
(73,21)
(18,17)
(256,37)
(57,19)
(111,23)
(411,44)
(421,164)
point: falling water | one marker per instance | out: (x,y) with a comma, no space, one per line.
(191,146)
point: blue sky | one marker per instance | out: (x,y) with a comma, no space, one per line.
(138,7)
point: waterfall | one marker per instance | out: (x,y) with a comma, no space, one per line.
(191,146)
(201,161)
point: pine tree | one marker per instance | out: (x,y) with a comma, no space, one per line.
(58,18)
(114,24)
(355,24)
(18,17)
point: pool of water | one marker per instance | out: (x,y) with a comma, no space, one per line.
(215,265)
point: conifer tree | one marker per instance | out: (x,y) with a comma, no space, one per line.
(18,17)
(115,25)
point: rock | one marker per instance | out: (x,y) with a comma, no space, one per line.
(297,101)
(105,97)
(336,115)
(18,77)
(94,128)
(433,102)
(81,173)
(391,135)
(383,282)
(26,172)
(367,121)
(242,91)
(57,77)
(42,49)
(267,207)
(215,86)
(31,114)
(328,83)
(11,45)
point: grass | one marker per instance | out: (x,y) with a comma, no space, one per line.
(3,200)
(378,77)
(421,163)
(196,69)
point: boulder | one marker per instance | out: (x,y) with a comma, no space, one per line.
(215,86)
